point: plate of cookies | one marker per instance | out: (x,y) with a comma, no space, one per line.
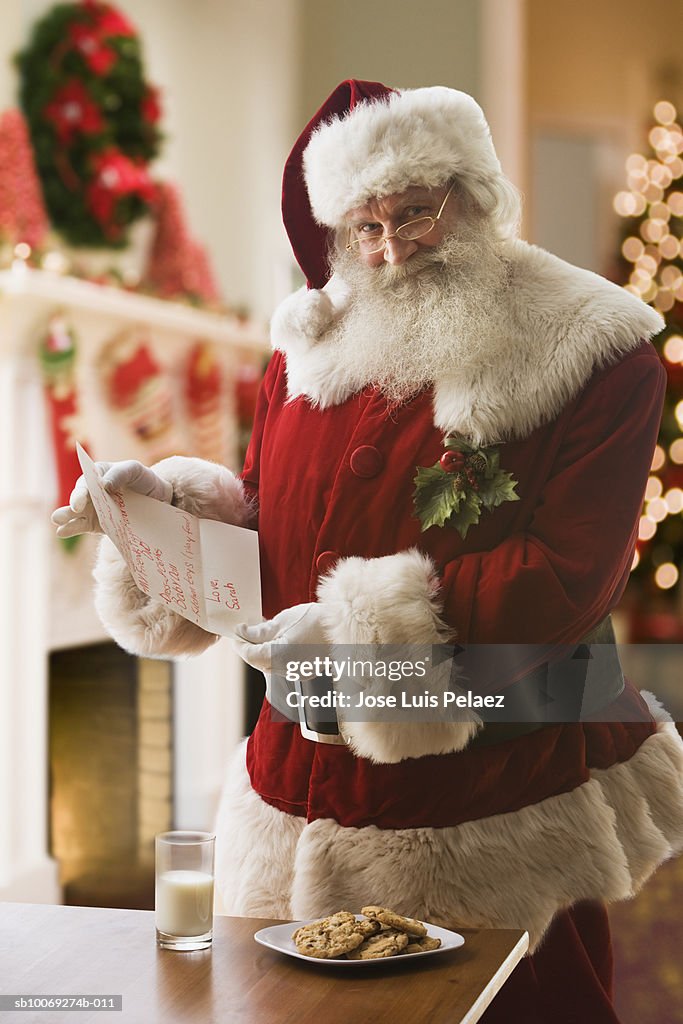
(371,937)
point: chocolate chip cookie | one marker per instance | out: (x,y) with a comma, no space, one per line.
(394,920)
(331,937)
(386,943)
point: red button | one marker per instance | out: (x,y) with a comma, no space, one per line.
(325,561)
(366,461)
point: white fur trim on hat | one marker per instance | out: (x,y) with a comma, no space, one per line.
(415,137)
(302,317)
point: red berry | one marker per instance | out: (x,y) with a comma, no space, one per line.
(452,461)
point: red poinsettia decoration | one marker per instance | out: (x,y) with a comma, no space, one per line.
(90,36)
(116,176)
(111,22)
(99,57)
(72,111)
(150,107)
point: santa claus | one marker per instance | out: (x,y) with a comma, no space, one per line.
(430,337)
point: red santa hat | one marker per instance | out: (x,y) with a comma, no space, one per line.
(368,140)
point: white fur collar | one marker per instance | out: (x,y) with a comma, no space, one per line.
(562,323)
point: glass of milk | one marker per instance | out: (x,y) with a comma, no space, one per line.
(184,890)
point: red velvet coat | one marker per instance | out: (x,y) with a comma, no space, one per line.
(546,568)
(338,482)
(533,832)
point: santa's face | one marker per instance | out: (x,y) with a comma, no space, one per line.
(379,219)
(433,310)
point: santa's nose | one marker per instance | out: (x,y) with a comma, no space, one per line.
(398,250)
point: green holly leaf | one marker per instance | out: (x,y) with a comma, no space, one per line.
(443,498)
(467,514)
(436,497)
(500,488)
(455,443)
(428,475)
(493,463)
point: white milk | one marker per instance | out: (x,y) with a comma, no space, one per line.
(184,902)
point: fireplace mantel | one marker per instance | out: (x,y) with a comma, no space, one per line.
(45,592)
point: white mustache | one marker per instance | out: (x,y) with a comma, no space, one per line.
(407,325)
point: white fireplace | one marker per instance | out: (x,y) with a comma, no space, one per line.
(45,592)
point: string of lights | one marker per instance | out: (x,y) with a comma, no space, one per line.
(654,203)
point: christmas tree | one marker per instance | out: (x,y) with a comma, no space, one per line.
(22,212)
(651,267)
(178,265)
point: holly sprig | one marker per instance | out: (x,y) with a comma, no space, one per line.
(465,480)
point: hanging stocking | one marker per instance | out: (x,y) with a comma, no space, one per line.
(139,390)
(206,404)
(58,358)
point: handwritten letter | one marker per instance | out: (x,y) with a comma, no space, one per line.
(206,571)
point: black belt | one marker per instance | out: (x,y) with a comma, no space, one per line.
(576,686)
(585,679)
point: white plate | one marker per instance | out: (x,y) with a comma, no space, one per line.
(279,938)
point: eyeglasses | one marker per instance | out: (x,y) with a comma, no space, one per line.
(412,229)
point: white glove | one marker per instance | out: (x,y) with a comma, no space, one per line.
(300,624)
(79,515)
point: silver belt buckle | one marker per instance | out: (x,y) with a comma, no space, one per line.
(331,733)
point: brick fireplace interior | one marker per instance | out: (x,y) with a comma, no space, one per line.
(111,772)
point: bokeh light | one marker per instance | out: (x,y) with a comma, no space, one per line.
(656,510)
(674,500)
(647,528)
(665,112)
(632,249)
(673,349)
(653,488)
(666,575)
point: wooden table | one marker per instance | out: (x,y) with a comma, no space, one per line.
(54,950)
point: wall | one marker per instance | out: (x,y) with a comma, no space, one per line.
(398,42)
(602,61)
(595,69)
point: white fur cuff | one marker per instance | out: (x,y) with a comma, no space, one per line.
(206,489)
(392,600)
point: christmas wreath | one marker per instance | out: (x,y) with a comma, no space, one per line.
(93,121)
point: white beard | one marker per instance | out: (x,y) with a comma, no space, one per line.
(404,326)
